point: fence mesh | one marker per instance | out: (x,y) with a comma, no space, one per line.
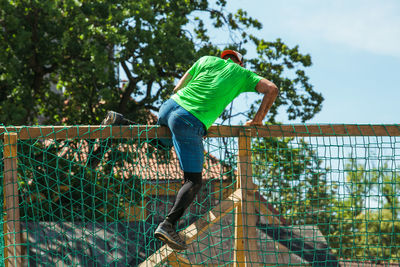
(92,200)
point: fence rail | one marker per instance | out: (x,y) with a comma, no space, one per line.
(152,131)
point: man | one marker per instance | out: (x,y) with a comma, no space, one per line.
(201,95)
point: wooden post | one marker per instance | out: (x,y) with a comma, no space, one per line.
(195,229)
(246,249)
(12,228)
(239,258)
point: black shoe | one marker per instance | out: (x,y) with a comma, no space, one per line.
(115,118)
(166,233)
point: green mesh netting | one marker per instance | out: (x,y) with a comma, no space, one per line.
(320,200)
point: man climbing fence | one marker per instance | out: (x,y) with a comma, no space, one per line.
(199,98)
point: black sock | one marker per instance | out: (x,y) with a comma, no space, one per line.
(185,196)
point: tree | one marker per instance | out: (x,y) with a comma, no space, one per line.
(63,45)
(77,48)
(365,222)
(290,175)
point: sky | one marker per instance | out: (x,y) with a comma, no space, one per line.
(355,50)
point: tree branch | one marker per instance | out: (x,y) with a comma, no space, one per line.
(129,88)
(148,98)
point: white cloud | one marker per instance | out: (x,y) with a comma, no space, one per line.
(368,25)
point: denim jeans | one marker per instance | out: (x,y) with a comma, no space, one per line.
(187,135)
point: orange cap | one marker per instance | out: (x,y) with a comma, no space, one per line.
(234,53)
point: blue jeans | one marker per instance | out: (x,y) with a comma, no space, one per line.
(187,135)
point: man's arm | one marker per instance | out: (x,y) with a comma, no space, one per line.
(183,82)
(270,91)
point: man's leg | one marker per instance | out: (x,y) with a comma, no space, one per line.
(166,230)
(185,197)
(187,136)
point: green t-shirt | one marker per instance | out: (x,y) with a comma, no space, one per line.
(215,83)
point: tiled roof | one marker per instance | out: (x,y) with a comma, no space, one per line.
(153,165)
(145,162)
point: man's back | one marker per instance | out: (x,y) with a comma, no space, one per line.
(215,83)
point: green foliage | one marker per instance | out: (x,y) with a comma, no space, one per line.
(60,60)
(54,44)
(285,67)
(366,219)
(292,179)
